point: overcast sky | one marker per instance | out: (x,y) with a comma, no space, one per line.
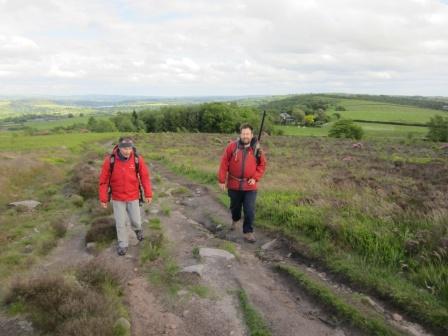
(227,47)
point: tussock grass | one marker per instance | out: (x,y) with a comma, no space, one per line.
(66,304)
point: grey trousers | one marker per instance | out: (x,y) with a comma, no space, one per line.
(132,209)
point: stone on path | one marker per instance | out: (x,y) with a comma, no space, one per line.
(269,244)
(29,204)
(215,253)
(195,269)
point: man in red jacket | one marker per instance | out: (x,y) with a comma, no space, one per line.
(119,183)
(239,172)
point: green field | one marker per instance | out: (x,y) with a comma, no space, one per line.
(371,130)
(19,142)
(15,108)
(375,111)
(63,122)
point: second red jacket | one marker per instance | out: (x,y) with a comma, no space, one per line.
(238,164)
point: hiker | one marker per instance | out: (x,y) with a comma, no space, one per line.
(123,175)
(239,172)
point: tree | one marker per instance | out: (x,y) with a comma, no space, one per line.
(346,128)
(438,128)
(100,126)
(309,119)
(321,116)
(298,114)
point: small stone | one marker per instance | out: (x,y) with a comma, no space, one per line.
(369,301)
(397,317)
(91,247)
(182,292)
(215,253)
(28,248)
(28,204)
(135,269)
(195,269)
(269,244)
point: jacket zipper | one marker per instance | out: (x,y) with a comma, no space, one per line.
(243,166)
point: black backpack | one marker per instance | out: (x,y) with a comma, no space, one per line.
(137,169)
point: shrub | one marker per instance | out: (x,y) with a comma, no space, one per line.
(438,128)
(346,128)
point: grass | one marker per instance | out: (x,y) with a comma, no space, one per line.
(29,174)
(229,247)
(371,130)
(166,275)
(195,253)
(255,323)
(71,141)
(343,310)
(166,209)
(155,224)
(377,111)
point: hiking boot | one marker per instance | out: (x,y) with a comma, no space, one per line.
(249,237)
(234,226)
(122,251)
(139,234)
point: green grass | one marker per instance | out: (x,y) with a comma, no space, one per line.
(255,323)
(155,224)
(343,310)
(19,142)
(229,247)
(376,111)
(63,122)
(371,130)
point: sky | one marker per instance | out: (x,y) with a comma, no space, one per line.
(227,47)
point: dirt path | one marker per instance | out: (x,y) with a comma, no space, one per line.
(286,310)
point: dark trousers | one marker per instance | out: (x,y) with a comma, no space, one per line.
(240,199)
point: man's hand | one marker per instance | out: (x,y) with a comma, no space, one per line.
(104,205)
(222,186)
(148,200)
(251,181)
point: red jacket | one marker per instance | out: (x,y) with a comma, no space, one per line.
(239,165)
(124,182)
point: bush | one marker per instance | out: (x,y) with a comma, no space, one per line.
(346,128)
(102,230)
(70,305)
(438,128)
(59,227)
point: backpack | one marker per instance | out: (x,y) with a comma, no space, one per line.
(137,169)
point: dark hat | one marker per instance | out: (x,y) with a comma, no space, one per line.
(125,143)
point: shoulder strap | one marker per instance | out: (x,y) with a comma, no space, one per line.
(136,161)
(235,150)
(111,163)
